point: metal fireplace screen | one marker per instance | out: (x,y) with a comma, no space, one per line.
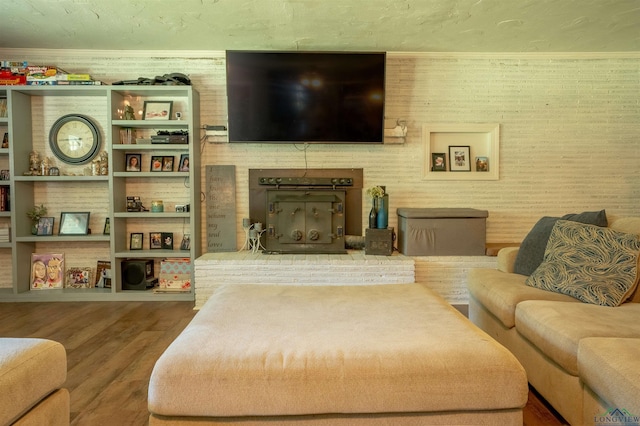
(305,221)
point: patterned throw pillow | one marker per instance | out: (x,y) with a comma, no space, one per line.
(593,264)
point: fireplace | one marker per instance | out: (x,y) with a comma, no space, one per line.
(306,210)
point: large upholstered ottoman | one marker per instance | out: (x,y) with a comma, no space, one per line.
(331,355)
(32,372)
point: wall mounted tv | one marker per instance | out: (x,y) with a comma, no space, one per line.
(300,97)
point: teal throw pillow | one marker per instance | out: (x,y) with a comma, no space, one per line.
(531,250)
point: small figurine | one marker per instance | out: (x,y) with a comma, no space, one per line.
(128,113)
(34,163)
(104,163)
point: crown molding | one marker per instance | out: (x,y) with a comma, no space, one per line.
(15,54)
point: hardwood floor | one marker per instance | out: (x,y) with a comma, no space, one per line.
(112,347)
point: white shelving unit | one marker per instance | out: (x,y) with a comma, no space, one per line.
(31,113)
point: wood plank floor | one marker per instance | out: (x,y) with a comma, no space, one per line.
(112,347)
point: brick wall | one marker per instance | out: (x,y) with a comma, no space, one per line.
(569,132)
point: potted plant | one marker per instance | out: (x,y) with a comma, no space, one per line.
(35,213)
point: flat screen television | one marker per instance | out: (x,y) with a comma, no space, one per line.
(300,97)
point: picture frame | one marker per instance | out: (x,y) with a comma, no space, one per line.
(157,110)
(156,163)
(183,165)
(482,164)
(74,223)
(107,227)
(103,274)
(167,163)
(167,240)
(155,240)
(3,107)
(459,160)
(47,271)
(186,242)
(133,162)
(5,140)
(135,241)
(79,277)
(439,161)
(45,226)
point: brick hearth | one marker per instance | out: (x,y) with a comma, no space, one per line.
(245,267)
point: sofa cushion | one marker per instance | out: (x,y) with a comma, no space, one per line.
(593,264)
(609,366)
(30,369)
(531,251)
(500,292)
(556,328)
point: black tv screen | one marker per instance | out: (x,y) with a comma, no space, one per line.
(317,97)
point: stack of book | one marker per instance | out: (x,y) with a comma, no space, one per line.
(5,235)
(76,79)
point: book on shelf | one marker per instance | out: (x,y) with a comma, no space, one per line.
(4,198)
(79,83)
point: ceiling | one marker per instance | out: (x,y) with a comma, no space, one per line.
(369,25)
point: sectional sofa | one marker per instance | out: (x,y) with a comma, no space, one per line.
(570,314)
(32,372)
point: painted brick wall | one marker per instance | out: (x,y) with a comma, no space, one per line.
(569,125)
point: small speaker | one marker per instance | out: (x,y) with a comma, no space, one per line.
(137,274)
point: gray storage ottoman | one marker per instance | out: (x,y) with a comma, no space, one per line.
(442,231)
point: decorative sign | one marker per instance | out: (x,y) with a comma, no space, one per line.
(221,208)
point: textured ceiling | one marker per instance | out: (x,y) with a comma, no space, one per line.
(381,25)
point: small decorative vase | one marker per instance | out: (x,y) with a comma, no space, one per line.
(373,214)
(383,213)
(34,228)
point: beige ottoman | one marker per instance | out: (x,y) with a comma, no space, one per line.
(380,354)
(32,372)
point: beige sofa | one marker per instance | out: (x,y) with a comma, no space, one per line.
(32,372)
(583,358)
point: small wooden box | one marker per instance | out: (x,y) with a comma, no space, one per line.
(379,241)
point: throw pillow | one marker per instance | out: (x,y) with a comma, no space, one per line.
(531,250)
(593,264)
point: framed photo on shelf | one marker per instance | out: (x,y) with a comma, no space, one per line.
(183,166)
(155,240)
(74,223)
(459,160)
(103,274)
(45,226)
(167,163)
(167,240)
(107,227)
(156,163)
(157,110)
(47,271)
(135,241)
(482,164)
(79,277)
(5,140)
(133,162)
(186,242)
(438,161)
